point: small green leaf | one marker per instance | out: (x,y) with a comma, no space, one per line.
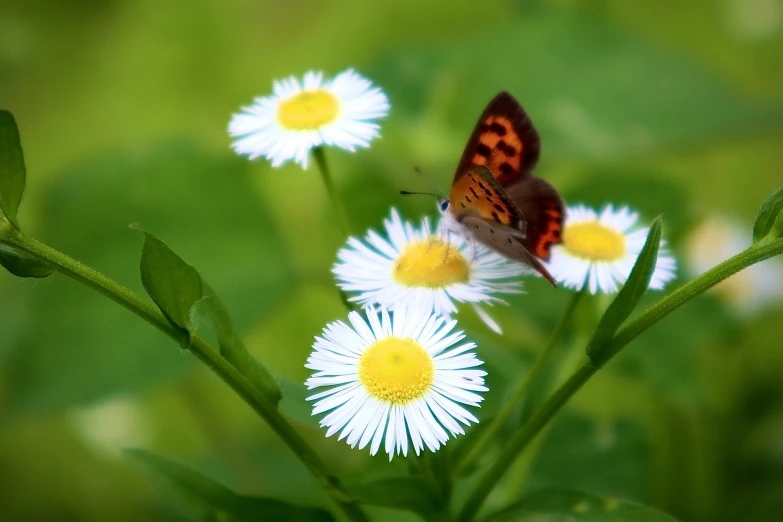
(211,500)
(233,349)
(12,169)
(628,297)
(23,266)
(410,494)
(174,285)
(575,506)
(769,222)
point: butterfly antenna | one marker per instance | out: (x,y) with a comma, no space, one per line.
(430,179)
(409,193)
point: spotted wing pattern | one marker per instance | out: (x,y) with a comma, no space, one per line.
(504,240)
(478,194)
(504,140)
(542,211)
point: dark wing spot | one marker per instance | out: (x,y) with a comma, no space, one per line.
(484,127)
(501,145)
(497,128)
(491,230)
(495,216)
(500,208)
(472,191)
(510,150)
(509,240)
(483,150)
(506,168)
(462,204)
(481,185)
(467,198)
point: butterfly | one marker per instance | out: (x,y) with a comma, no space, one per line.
(495,198)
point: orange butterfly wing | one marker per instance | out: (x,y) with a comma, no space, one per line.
(504,140)
(477,193)
(506,143)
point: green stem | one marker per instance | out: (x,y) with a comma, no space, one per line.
(320,160)
(203,351)
(519,441)
(510,405)
(755,254)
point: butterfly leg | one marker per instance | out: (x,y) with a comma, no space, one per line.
(448,244)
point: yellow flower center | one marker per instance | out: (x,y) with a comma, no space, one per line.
(396,370)
(594,241)
(308,110)
(432,264)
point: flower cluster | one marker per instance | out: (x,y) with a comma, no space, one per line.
(399,374)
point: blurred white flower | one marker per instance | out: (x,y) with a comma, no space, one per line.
(110,426)
(753,20)
(430,269)
(395,377)
(299,116)
(718,238)
(599,250)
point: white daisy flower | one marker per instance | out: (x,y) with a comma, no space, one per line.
(395,377)
(600,250)
(299,116)
(715,240)
(429,268)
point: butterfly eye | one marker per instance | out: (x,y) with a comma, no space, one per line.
(444,205)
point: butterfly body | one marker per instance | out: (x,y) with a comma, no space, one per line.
(495,199)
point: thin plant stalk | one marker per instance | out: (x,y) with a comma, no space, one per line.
(17,243)
(525,434)
(519,394)
(320,159)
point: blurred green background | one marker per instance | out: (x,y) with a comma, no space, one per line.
(673,107)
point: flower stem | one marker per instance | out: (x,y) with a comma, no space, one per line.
(510,405)
(200,348)
(519,441)
(320,159)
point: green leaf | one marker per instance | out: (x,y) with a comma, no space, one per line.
(12,169)
(232,347)
(628,297)
(51,358)
(585,100)
(207,498)
(574,506)
(769,221)
(174,285)
(24,267)
(410,494)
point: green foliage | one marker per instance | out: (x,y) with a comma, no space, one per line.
(209,500)
(606,450)
(12,185)
(598,349)
(177,288)
(23,266)
(408,493)
(87,213)
(232,347)
(592,90)
(769,221)
(631,109)
(12,168)
(575,506)
(174,285)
